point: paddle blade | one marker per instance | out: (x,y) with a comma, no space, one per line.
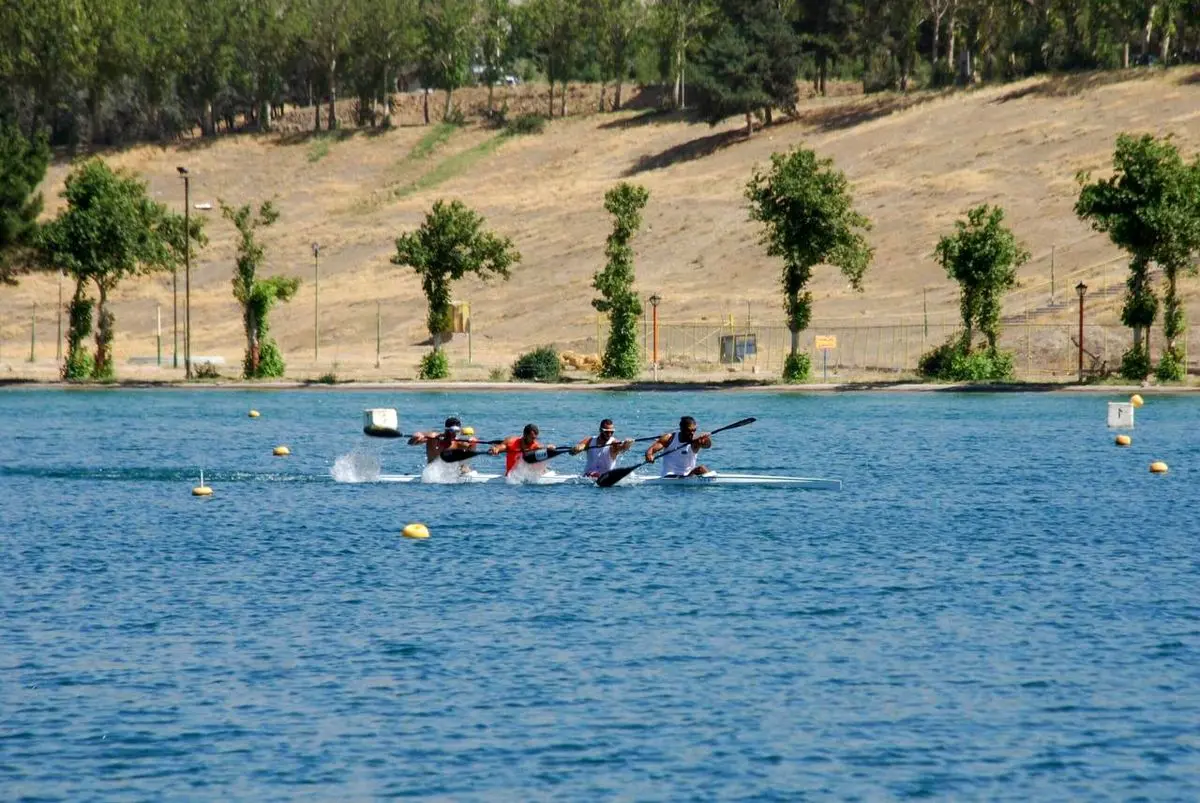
(611,478)
(459,455)
(382,432)
(744,422)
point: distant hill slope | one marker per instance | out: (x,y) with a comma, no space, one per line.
(916,163)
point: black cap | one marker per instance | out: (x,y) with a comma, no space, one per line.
(453,422)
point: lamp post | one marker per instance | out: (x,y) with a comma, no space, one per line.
(654,299)
(316,249)
(1081,289)
(187,274)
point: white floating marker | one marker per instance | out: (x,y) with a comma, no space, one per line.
(202,489)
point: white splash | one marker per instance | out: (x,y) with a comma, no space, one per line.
(357,466)
(440,472)
(526,473)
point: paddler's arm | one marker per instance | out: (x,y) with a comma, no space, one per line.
(418,438)
(702,441)
(658,446)
(582,445)
(500,447)
(620,446)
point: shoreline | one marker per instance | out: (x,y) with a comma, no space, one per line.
(614,387)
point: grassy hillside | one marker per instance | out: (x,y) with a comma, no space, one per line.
(916,163)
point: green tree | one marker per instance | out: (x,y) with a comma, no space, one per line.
(983,256)
(555,31)
(328,38)
(263,359)
(23,163)
(614,26)
(808,215)
(110,230)
(495,42)
(625,203)
(447,45)
(451,244)
(750,65)
(1149,207)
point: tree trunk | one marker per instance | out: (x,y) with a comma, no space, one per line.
(768,116)
(563,99)
(603,89)
(950,35)
(795,341)
(491,92)
(1149,31)
(103,333)
(449,105)
(749,125)
(264,115)
(551,98)
(426,105)
(1125,57)
(317,117)
(332,115)
(937,32)
(617,97)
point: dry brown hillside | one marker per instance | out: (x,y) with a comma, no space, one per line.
(916,163)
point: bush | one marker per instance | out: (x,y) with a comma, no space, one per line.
(955,361)
(498,375)
(1135,363)
(205,370)
(1170,366)
(434,365)
(527,123)
(797,367)
(329,378)
(539,365)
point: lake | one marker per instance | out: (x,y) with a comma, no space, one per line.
(999,604)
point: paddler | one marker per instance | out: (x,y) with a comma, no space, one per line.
(602,450)
(514,448)
(438,442)
(681,462)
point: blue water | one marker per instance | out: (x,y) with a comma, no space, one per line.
(999,605)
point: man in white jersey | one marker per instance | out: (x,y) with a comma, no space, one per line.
(602,450)
(681,462)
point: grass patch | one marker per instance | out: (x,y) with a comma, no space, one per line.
(450,167)
(432,140)
(318,149)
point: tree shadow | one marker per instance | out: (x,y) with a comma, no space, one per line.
(651,116)
(1064,85)
(305,137)
(686,152)
(1194,78)
(848,115)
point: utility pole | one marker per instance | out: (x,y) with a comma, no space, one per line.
(316,249)
(187,273)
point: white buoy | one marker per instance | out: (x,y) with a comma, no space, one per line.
(253,414)
(415,530)
(202,489)
(281,451)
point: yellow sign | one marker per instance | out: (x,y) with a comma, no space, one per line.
(826,342)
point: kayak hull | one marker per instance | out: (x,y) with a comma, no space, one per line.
(712,478)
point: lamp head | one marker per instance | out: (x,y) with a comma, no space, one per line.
(1081,288)
(183,171)
(654,299)
(316,248)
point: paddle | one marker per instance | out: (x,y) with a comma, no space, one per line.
(610,478)
(541,455)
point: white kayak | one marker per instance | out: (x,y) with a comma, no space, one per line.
(712,478)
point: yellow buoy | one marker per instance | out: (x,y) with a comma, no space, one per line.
(282,451)
(202,489)
(468,431)
(1136,400)
(1158,467)
(1124,440)
(253,413)
(415,530)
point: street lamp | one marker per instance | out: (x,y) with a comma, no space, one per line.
(654,299)
(1081,289)
(187,277)
(316,249)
